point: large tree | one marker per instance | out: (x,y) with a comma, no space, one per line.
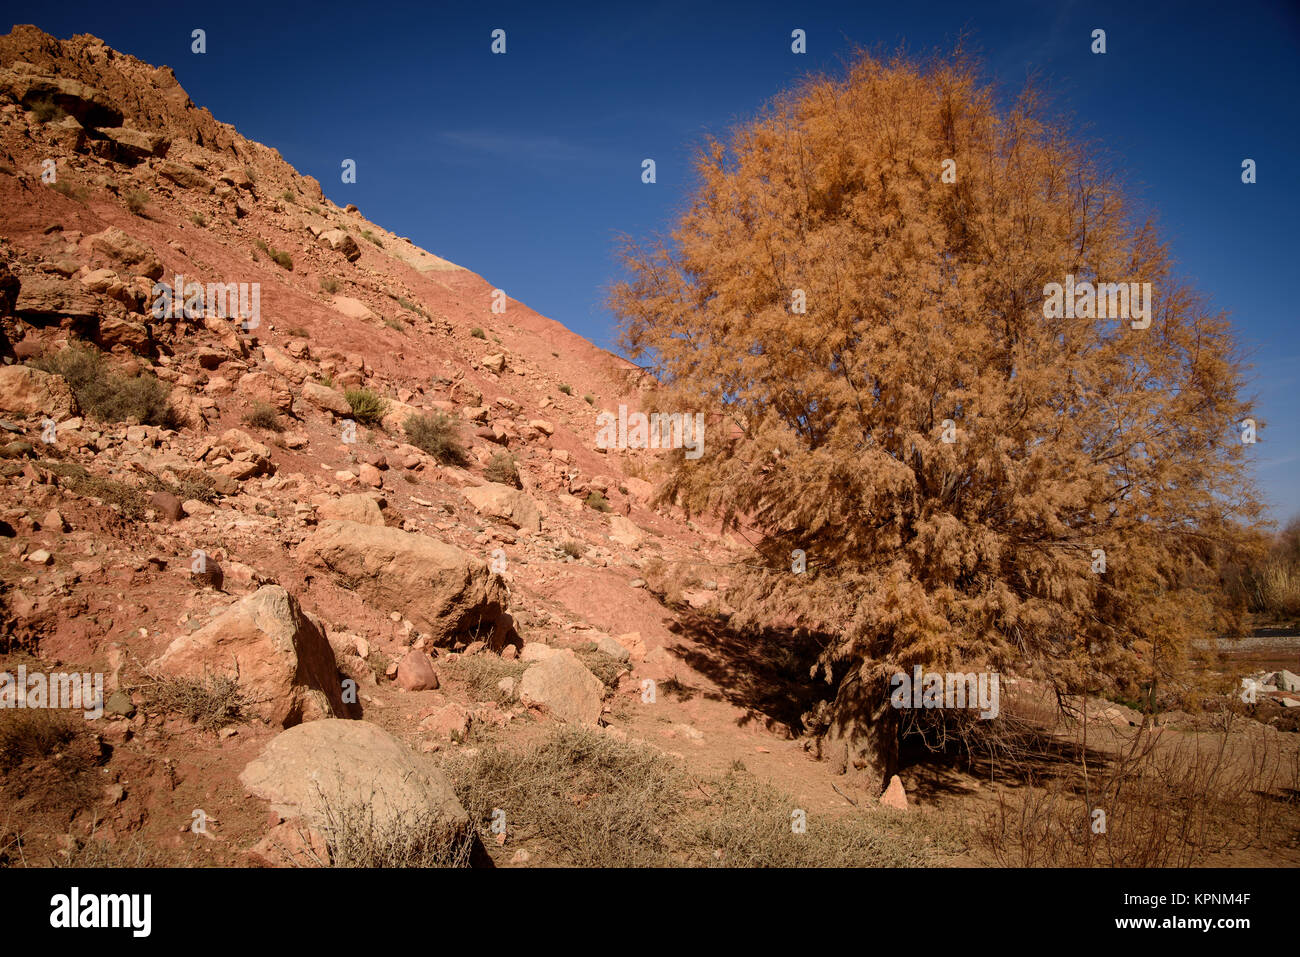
(969,543)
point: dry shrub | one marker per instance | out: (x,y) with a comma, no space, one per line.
(47,760)
(211,702)
(1166,803)
(502,468)
(436,434)
(355,838)
(589,800)
(482,673)
(368,407)
(107,395)
(263,416)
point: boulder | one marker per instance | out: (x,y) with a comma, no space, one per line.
(395,416)
(353,308)
(562,686)
(536,651)
(341,242)
(184,176)
(361,509)
(415,672)
(133,336)
(444,591)
(508,504)
(323,397)
(268,388)
(169,506)
(61,297)
(328,771)
(279,653)
(132,146)
(1286,681)
(623,531)
(118,247)
(31,392)
(611,647)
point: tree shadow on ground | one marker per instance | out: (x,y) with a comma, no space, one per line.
(764,672)
(1020,751)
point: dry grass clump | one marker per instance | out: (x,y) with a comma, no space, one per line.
(438,435)
(211,702)
(502,468)
(586,799)
(368,407)
(1163,804)
(47,760)
(263,416)
(482,673)
(354,837)
(107,395)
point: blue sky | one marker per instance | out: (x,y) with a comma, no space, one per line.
(526,167)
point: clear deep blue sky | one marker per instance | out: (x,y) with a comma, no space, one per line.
(525,167)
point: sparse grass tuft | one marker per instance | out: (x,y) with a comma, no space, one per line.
(583,798)
(502,468)
(211,702)
(605,667)
(478,333)
(597,500)
(355,836)
(367,407)
(329,284)
(136,201)
(573,549)
(482,673)
(437,434)
(47,760)
(70,190)
(107,395)
(279,256)
(566,389)
(262,416)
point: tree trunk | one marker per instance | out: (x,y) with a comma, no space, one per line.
(862,738)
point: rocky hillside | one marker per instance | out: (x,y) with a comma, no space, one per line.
(319,505)
(328,515)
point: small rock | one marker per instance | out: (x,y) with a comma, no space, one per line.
(894,795)
(169,506)
(415,672)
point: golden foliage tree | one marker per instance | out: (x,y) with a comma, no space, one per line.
(964,544)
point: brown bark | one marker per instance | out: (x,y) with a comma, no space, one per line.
(862,737)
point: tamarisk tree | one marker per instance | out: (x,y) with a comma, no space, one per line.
(866,293)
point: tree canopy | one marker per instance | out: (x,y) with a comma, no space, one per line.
(866,323)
